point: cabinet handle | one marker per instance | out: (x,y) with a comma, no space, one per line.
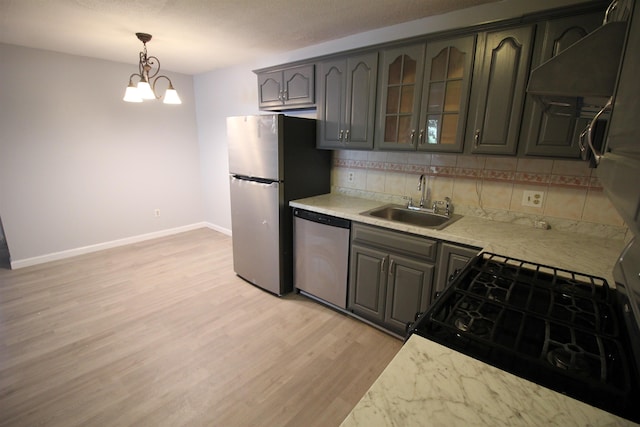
(412,135)
(340,135)
(382,265)
(597,155)
(391,267)
(421,137)
(583,148)
(280,96)
(346,135)
(285,96)
(476,138)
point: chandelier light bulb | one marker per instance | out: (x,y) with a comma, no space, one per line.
(144,89)
(131,94)
(171,96)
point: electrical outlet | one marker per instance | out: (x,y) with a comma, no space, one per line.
(351,176)
(532,198)
(157,213)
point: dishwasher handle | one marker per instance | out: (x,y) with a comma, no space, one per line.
(322,218)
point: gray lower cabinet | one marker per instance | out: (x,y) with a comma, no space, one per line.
(544,134)
(347,101)
(498,90)
(390,276)
(292,87)
(408,291)
(452,259)
(368,282)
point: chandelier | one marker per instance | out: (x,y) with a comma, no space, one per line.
(147,79)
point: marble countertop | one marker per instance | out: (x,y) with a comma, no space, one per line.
(570,251)
(427,384)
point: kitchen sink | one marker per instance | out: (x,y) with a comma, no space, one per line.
(420,218)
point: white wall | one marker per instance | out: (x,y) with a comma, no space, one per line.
(80,167)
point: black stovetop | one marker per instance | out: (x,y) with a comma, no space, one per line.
(557,328)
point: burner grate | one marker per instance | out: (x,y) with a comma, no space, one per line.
(552,326)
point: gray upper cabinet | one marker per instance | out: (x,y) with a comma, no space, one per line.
(445,94)
(498,90)
(544,134)
(288,88)
(347,101)
(399,89)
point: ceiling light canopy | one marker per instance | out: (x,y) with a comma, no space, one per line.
(148,69)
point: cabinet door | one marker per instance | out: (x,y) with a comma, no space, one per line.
(445,94)
(270,89)
(331,103)
(551,135)
(399,97)
(362,73)
(299,86)
(452,259)
(368,282)
(408,291)
(497,96)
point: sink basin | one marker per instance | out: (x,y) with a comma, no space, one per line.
(407,216)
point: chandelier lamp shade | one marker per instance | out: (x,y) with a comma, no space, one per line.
(142,85)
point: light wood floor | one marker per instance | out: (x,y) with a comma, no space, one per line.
(162,333)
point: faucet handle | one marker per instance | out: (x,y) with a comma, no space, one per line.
(410,199)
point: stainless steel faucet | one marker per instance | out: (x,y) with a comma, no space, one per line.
(422,186)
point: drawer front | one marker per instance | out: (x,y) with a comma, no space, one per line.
(395,241)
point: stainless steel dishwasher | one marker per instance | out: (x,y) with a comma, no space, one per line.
(321,256)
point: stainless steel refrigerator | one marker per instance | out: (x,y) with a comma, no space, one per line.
(272,159)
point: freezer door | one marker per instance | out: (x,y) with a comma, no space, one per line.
(254,146)
(255,232)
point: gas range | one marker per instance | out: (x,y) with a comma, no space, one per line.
(560,329)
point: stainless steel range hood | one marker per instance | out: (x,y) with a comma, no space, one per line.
(580,79)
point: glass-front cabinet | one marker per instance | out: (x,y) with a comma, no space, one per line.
(399,100)
(424,93)
(445,94)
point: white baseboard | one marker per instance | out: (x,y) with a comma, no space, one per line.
(218,228)
(27,262)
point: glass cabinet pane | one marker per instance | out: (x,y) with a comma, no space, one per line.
(406,100)
(393,100)
(432,128)
(391,129)
(453,96)
(404,130)
(456,64)
(449,127)
(436,93)
(409,70)
(395,71)
(439,65)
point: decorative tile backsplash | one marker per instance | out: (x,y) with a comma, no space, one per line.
(486,186)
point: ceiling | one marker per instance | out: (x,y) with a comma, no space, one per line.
(194,36)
